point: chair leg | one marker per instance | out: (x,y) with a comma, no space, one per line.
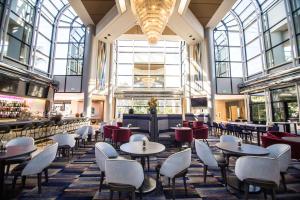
(39,176)
(23,181)
(265,193)
(133,195)
(148,162)
(246,190)
(46,175)
(204,173)
(169,182)
(173,188)
(184,183)
(111,195)
(283,181)
(14,182)
(119,195)
(273,194)
(101,181)
(7,169)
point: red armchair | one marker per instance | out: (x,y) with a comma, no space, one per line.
(185,124)
(184,136)
(107,131)
(119,124)
(197,124)
(201,133)
(120,136)
(273,137)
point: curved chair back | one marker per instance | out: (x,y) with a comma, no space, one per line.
(20,141)
(138,137)
(42,160)
(107,131)
(197,124)
(200,133)
(103,151)
(127,172)
(64,139)
(205,155)
(176,163)
(229,138)
(184,135)
(91,130)
(282,152)
(121,135)
(254,167)
(83,132)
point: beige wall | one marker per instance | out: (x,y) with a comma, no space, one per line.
(223,109)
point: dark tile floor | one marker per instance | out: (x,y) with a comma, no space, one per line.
(79,179)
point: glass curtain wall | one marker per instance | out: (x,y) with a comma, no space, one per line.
(228,55)
(140,65)
(18,41)
(140,106)
(258,108)
(295,4)
(2,2)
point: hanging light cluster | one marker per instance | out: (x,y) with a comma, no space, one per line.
(152,16)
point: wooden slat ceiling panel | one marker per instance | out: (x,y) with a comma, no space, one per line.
(204,9)
(98,8)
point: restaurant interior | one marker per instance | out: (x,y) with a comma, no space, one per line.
(150,99)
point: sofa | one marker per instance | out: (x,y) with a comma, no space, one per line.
(275,137)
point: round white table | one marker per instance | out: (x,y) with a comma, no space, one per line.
(130,128)
(135,149)
(292,139)
(181,128)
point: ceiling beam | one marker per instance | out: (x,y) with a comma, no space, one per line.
(81,11)
(223,9)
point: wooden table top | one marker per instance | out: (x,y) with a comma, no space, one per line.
(136,148)
(245,150)
(16,151)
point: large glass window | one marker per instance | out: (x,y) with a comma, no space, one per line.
(228,56)
(142,66)
(284,104)
(258,108)
(276,36)
(295,4)
(140,106)
(20,29)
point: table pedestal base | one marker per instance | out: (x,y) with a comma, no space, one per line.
(149,185)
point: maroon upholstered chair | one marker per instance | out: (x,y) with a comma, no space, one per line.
(274,137)
(184,136)
(120,136)
(185,124)
(201,133)
(119,124)
(107,131)
(197,124)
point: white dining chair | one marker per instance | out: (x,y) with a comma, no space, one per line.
(66,143)
(36,165)
(138,137)
(124,175)
(19,141)
(176,166)
(82,134)
(281,152)
(229,138)
(210,160)
(104,151)
(258,171)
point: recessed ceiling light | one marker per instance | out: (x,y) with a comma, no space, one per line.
(190,36)
(194,39)
(105,38)
(108,34)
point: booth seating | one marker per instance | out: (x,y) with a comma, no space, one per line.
(143,121)
(273,137)
(164,122)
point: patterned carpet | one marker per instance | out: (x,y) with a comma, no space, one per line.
(79,179)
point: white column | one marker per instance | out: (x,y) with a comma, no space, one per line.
(108,115)
(87,70)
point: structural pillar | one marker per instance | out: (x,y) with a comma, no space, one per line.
(87,70)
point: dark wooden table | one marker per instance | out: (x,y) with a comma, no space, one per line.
(135,149)
(12,152)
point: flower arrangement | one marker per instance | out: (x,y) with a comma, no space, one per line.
(152,103)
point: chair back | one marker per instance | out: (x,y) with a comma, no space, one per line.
(103,151)
(282,152)
(121,135)
(176,163)
(64,139)
(42,160)
(229,138)
(83,132)
(205,155)
(107,130)
(20,141)
(138,137)
(127,172)
(258,168)
(101,125)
